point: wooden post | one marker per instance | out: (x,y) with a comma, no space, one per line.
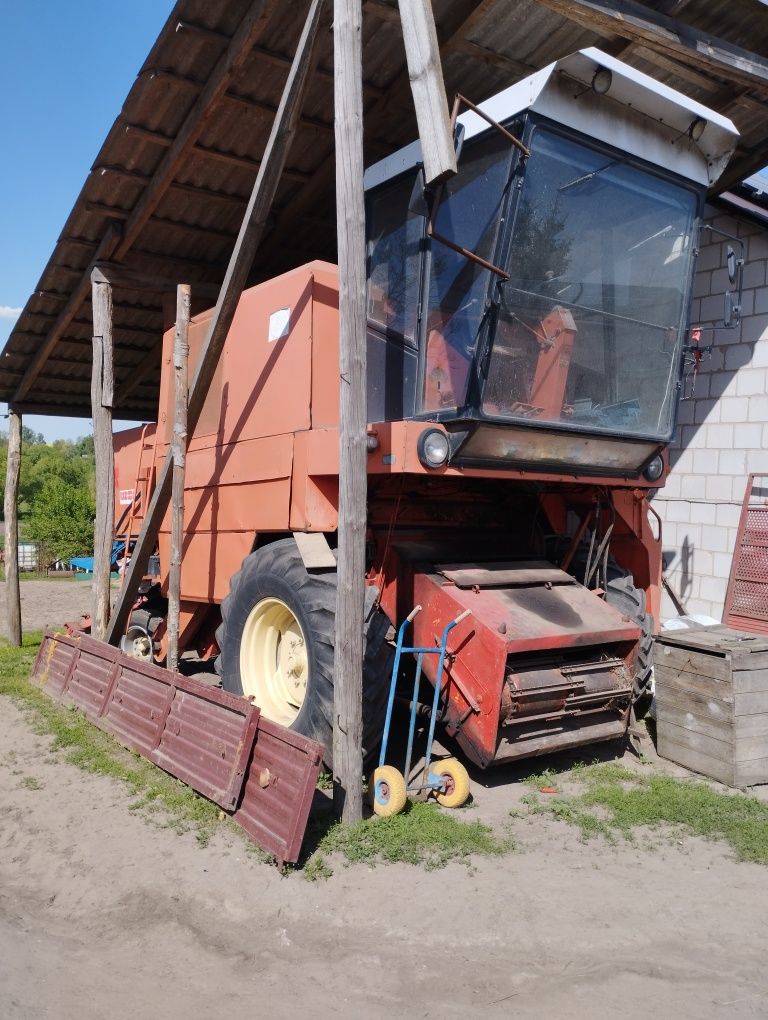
(241,260)
(353,457)
(179,451)
(426,74)
(12,592)
(102,398)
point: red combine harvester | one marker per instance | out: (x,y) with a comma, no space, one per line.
(527,337)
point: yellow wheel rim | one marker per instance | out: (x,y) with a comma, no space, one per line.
(274,665)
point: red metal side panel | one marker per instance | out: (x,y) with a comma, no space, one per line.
(279,788)
(54,665)
(90,682)
(136,710)
(746,600)
(210,739)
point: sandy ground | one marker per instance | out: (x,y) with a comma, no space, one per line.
(45,603)
(105,914)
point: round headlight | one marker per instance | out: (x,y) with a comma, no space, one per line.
(654,470)
(433,448)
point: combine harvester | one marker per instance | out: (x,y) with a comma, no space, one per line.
(527,341)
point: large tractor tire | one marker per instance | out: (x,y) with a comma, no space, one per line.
(276,643)
(622,594)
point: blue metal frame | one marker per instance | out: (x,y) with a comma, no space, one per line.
(433,781)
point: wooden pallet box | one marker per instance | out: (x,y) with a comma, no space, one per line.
(712,703)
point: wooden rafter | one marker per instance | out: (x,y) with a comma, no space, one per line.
(638,23)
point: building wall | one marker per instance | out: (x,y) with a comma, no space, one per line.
(722,432)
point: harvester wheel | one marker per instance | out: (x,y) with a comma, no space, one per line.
(456,780)
(276,643)
(138,638)
(622,594)
(387,791)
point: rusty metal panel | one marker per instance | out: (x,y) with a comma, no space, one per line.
(503,575)
(278,790)
(54,665)
(215,742)
(746,599)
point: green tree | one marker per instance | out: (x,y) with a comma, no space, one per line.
(61,519)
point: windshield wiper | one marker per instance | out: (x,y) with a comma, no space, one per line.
(592,173)
(586,308)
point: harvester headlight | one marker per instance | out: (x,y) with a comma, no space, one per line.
(654,470)
(433,448)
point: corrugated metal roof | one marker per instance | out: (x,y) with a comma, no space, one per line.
(245,49)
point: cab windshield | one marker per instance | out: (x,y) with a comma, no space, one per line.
(589,324)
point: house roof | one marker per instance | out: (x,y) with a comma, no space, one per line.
(168,188)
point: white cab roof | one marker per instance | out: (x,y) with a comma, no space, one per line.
(637,114)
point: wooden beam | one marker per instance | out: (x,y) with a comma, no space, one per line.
(426,76)
(102,399)
(135,412)
(711,85)
(197,120)
(353,457)
(104,251)
(131,279)
(641,24)
(395,91)
(11,509)
(179,453)
(251,232)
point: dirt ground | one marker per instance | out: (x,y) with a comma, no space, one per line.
(103,913)
(46,603)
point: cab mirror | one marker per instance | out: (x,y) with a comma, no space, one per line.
(730,261)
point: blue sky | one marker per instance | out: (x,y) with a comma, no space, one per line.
(67,66)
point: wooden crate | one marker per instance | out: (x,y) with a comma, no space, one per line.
(712,703)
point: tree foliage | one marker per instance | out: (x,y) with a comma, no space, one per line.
(61,519)
(56,492)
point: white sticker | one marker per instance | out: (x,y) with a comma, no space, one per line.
(127,496)
(279,324)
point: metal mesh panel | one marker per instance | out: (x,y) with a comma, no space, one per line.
(747,596)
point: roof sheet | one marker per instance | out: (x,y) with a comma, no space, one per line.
(214,77)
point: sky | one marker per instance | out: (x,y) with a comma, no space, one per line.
(66,67)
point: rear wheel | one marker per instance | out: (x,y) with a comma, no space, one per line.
(622,593)
(276,644)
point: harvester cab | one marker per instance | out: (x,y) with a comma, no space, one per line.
(536,304)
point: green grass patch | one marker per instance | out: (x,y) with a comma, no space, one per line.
(422,834)
(612,801)
(173,804)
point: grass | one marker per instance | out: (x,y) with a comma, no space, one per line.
(172,803)
(423,834)
(611,801)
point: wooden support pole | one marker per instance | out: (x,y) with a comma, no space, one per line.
(426,74)
(102,399)
(353,457)
(241,260)
(179,452)
(12,592)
